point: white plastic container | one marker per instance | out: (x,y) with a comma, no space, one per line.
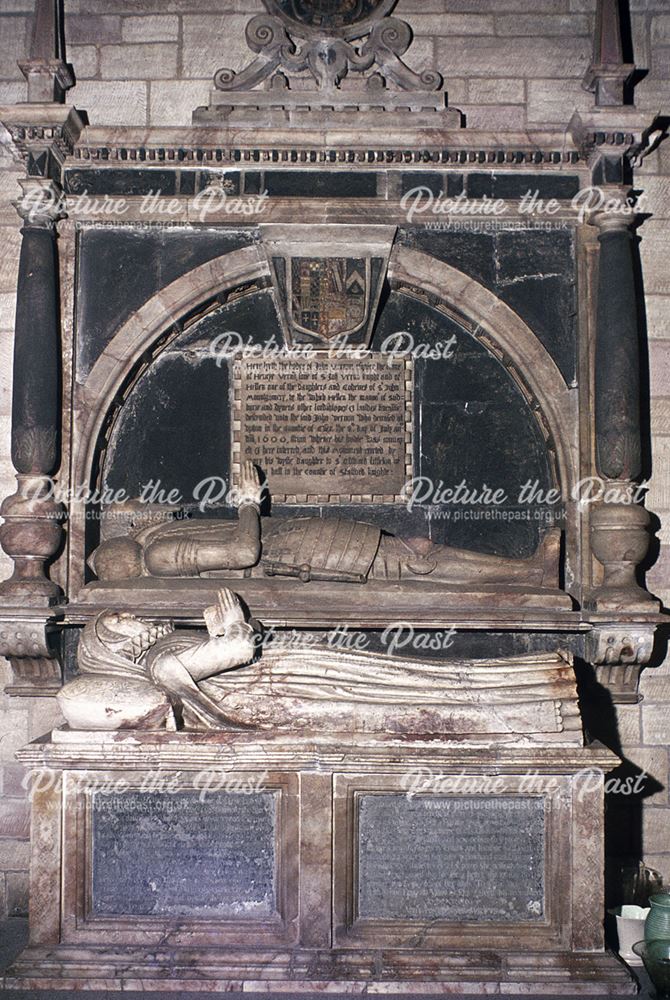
(630,929)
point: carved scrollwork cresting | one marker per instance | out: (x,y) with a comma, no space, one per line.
(328,48)
(328,58)
(388,41)
(266,36)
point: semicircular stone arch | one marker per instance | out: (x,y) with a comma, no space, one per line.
(138,336)
(494,326)
(508,338)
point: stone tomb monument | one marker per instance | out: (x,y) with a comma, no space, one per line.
(311,603)
(229,815)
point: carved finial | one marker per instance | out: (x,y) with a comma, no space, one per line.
(608,74)
(46,71)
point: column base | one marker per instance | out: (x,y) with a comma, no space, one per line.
(622,600)
(32,593)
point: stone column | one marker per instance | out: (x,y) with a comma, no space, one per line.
(619,526)
(31,532)
(617,362)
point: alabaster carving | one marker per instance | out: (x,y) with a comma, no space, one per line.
(309,548)
(620,540)
(618,654)
(622,644)
(325,689)
(135,673)
(139,675)
(111,703)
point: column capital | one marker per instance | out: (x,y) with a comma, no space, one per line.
(41,204)
(612,223)
(616,214)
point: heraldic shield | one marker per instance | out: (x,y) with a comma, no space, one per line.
(329,296)
(328,280)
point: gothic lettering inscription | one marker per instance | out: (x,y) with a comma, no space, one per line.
(326,428)
(452,858)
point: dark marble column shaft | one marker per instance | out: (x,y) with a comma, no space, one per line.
(617,357)
(36,375)
(31,532)
(619,528)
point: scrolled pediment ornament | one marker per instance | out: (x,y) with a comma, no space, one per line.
(319,44)
(328,57)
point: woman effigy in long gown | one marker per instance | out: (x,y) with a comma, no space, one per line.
(145,675)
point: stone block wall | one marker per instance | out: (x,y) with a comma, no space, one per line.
(508,63)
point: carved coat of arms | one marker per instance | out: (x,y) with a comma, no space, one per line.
(328,280)
(329,296)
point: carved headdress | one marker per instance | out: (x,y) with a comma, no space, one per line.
(117,644)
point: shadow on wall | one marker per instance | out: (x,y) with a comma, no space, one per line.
(627,788)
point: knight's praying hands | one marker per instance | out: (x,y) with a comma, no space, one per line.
(251,486)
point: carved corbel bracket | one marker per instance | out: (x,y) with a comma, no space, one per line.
(618,653)
(24,641)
